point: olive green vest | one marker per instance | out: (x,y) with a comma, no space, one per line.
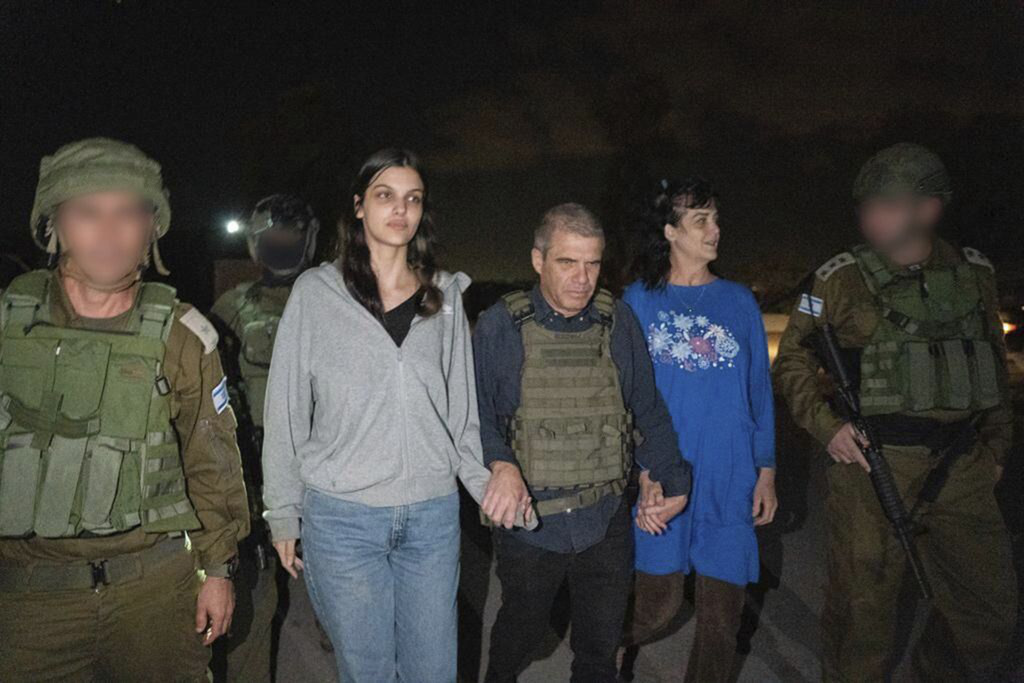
(86,439)
(255,323)
(572,428)
(932,348)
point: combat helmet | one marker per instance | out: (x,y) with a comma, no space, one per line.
(288,213)
(904,168)
(97,165)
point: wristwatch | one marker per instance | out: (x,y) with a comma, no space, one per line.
(228,570)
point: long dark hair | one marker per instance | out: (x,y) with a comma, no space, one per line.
(355,253)
(664,205)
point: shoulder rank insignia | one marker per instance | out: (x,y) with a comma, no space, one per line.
(977,258)
(202,328)
(835,263)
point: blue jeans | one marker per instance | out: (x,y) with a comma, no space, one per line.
(383,582)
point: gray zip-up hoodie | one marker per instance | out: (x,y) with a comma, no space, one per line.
(350,414)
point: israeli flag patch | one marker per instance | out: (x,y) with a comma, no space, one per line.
(811,305)
(220,396)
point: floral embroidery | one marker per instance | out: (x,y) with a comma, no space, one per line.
(691,342)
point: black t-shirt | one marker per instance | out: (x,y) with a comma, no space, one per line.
(398,320)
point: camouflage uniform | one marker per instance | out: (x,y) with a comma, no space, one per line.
(121,604)
(966,548)
(247,316)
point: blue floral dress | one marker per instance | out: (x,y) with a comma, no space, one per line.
(710,358)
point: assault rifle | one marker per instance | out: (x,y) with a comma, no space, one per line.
(881,476)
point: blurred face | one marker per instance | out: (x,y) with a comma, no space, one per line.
(392,207)
(105,233)
(900,227)
(694,237)
(568,271)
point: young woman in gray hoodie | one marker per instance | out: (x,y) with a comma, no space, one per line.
(370,416)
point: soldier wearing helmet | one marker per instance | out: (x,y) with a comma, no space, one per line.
(917,319)
(119,471)
(281,236)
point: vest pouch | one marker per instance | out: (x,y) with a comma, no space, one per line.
(258,342)
(918,379)
(956,375)
(131,381)
(254,364)
(101,478)
(164,506)
(26,369)
(984,376)
(81,367)
(58,491)
(20,464)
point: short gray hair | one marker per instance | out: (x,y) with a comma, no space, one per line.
(571,217)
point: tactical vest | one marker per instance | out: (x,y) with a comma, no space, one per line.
(256,326)
(932,348)
(86,439)
(572,428)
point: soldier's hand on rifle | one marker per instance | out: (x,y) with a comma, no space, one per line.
(506,495)
(289,560)
(845,446)
(765,500)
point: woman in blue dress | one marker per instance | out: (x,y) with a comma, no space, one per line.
(707,342)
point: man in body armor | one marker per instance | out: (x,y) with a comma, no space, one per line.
(917,321)
(119,472)
(281,236)
(563,374)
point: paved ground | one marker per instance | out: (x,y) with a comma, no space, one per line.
(784,645)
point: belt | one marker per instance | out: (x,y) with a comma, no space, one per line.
(87,575)
(579,499)
(910,430)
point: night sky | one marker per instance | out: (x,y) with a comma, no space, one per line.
(519,105)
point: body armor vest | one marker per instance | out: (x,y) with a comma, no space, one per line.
(932,348)
(256,326)
(572,428)
(86,438)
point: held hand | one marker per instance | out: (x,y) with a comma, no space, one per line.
(845,446)
(651,493)
(289,560)
(214,607)
(765,501)
(655,519)
(506,495)
(651,497)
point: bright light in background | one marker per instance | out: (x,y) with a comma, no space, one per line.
(233,226)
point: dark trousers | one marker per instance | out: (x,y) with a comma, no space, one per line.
(247,650)
(142,629)
(600,579)
(719,604)
(719,608)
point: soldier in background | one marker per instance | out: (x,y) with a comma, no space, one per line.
(281,235)
(918,319)
(119,472)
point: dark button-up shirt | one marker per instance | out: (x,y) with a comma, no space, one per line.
(498,352)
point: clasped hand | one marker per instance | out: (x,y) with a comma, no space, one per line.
(654,510)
